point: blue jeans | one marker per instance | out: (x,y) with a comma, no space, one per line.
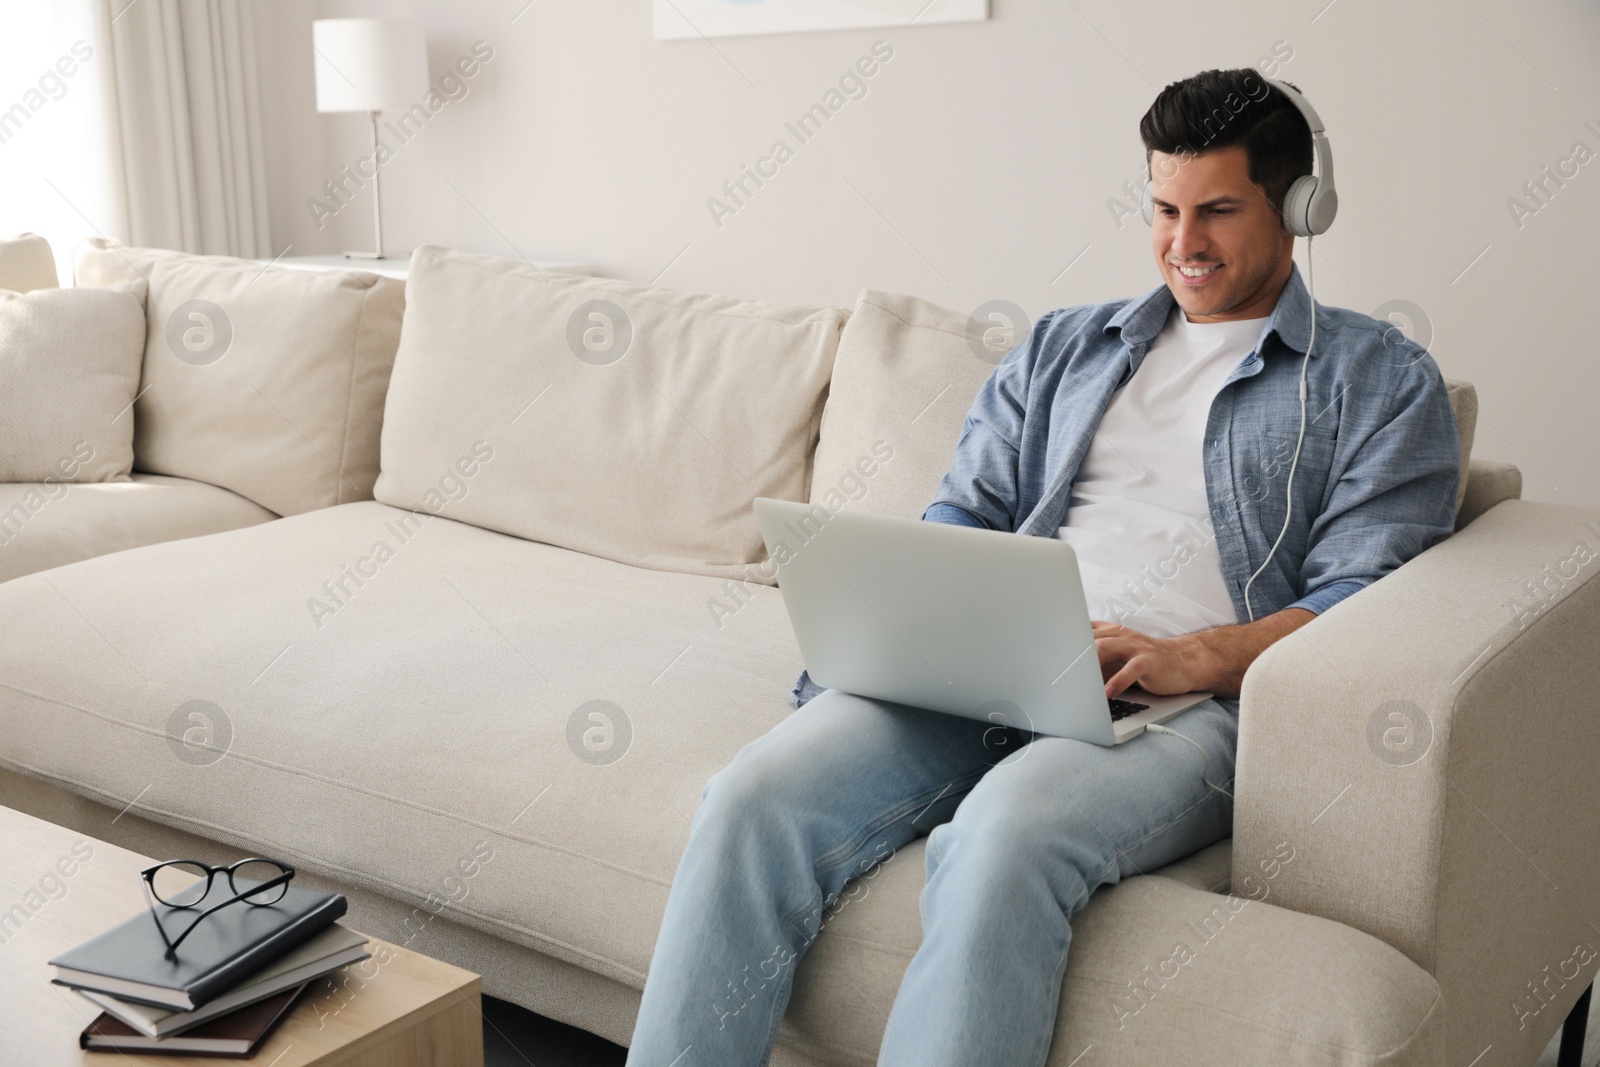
(1021,829)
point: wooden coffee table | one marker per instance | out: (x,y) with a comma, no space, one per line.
(397,1009)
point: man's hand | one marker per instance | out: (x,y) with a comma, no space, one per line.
(1213,659)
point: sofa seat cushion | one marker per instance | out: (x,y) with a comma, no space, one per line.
(1210,869)
(516,736)
(50,524)
(1258,984)
(383,710)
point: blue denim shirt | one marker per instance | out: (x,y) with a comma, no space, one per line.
(1374,486)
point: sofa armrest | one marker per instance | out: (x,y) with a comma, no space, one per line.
(1428,747)
(1489,482)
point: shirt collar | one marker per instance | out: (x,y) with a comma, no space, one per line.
(1141,319)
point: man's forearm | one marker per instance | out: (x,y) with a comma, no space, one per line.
(1222,654)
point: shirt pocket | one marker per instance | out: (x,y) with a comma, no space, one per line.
(1263,486)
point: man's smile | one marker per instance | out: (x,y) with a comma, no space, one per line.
(1196,274)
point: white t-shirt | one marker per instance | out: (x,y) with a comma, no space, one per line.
(1138,518)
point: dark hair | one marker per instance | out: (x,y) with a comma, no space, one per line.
(1217,108)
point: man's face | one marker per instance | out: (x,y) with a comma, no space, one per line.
(1210,218)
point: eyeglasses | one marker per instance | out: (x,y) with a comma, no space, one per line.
(182,884)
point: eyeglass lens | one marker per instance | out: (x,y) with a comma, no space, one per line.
(256,872)
(179,884)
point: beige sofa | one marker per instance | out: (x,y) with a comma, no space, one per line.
(551,627)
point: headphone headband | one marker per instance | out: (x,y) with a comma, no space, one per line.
(1298,99)
(1311,201)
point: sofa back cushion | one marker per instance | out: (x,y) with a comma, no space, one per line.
(26,263)
(906,373)
(265,381)
(69,369)
(902,383)
(1464,402)
(620,420)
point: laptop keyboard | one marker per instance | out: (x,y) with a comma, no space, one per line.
(1121,709)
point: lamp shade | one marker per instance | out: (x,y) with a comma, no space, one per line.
(369,64)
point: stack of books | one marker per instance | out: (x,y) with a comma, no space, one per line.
(230,983)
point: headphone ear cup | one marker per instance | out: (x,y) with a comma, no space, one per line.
(1147,205)
(1321,210)
(1297,205)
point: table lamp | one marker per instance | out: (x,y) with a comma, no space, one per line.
(370,65)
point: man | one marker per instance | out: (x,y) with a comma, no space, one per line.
(1157,436)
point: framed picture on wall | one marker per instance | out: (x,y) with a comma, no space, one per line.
(680,19)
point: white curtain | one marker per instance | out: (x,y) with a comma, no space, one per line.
(56,175)
(186,121)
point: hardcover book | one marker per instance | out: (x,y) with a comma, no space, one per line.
(237,1034)
(328,951)
(131,960)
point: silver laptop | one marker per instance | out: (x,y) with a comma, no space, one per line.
(989,625)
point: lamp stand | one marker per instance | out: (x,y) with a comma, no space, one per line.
(377,197)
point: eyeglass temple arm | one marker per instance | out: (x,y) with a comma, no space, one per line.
(172,946)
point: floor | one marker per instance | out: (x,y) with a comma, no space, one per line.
(516,1037)
(1591,1041)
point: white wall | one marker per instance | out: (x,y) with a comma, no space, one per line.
(981,161)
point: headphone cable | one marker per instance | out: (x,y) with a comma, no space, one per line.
(1311,275)
(1205,767)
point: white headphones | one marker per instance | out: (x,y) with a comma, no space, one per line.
(1312,201)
